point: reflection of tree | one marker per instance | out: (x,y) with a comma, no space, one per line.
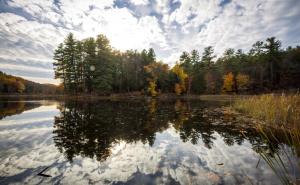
(15,107)
(92,128)
(195,122)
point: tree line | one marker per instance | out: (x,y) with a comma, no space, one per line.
(91,65)
(10,84)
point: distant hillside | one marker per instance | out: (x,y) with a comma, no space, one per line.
(10,84)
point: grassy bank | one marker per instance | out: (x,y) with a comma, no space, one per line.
(274,110)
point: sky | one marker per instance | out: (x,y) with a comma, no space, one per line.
(30,30)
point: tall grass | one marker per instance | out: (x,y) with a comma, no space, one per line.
(281,115)
(285,164)
(274,110)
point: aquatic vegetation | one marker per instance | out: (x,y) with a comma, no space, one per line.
(279,117)
(274,110)
(281,163)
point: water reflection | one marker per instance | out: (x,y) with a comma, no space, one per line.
(15,107)
(132,142)
(90,129)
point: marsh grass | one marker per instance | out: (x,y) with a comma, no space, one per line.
(285,164)
(274,110)
(279,117)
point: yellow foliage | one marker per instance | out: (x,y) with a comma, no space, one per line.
(228,82)
(20,86)
(182,76)
(152,88)
(179,72)
(177,89)
(242,81)
(154,71)
(152,105)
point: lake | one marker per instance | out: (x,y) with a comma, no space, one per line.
(135,142)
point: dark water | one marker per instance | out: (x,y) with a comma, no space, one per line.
(132,142)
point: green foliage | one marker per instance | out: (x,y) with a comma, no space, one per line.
(92,66)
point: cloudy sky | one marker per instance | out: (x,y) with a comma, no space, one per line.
(31,29)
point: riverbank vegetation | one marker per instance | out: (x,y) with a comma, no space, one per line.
(279,119)
(274,110)
(92,66)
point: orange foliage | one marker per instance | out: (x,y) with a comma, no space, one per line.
(228,82)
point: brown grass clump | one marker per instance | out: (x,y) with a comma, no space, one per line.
(274,110)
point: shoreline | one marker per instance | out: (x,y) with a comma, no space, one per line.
(208,97)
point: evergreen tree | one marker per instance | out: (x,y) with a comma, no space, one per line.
(70,63)
(89,52)
(59,64)
(79,65)
(103,67)
(273,46)
(92,66)
(207,59)
(151,55)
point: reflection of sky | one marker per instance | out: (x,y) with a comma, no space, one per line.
(27,148)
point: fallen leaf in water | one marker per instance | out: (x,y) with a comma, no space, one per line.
(213,177)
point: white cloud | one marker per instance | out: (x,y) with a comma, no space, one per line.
(32,29)
(236,24)
(140,2)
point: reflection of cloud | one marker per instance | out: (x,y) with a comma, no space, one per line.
(169,161)
(27,147)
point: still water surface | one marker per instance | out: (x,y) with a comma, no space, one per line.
(130,142)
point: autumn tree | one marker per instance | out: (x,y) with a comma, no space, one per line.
(228,82)
(188,63)
(242,81)
(93,66)
(180,85)
(158,77)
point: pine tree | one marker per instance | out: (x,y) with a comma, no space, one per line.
(59,64)
(151,55)
(79,65)
(207,59)
(70,63)
(272,46)
(103,67)
(89,52)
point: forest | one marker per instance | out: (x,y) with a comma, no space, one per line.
(92,66)
(10,84)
